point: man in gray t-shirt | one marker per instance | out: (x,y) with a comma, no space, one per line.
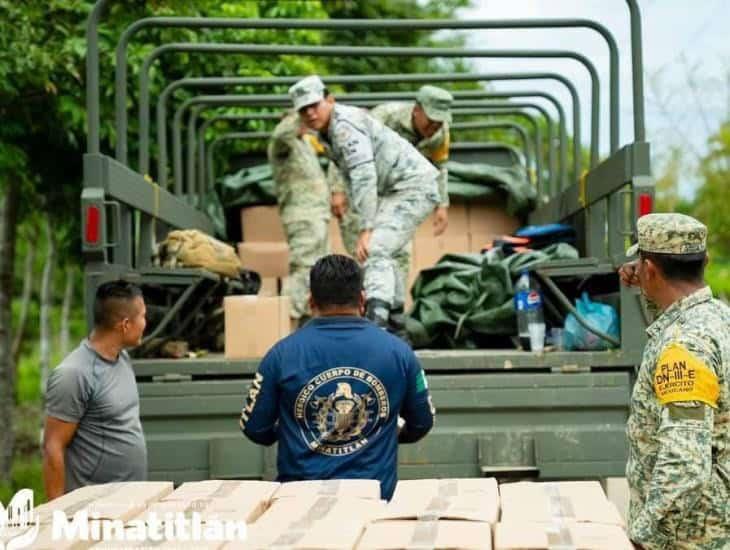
(93,432)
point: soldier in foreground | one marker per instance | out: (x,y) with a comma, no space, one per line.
(679,428)
(425,125)
(303,198)
(390,186)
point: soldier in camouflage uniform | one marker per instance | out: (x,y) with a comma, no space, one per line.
(303,197)
(389,184)
(679,427)
(424,124)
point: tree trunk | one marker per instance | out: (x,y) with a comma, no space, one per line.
(45,309)
(68,295)
(25,298)
(8,224)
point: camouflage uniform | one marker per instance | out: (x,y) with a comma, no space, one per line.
(303,198)
(389,185)
(398,116)
(679,427)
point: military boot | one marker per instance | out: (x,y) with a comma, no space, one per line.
(378,312)
(397,324)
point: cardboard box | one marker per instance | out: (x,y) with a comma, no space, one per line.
(297,510)
(487,222)
(337,245)
(319,535)
(121,501)
(253,324)
(353,488)
(270,286)
(458,223)
(416,535)
(262,224)
(466,499)
(227,500)
(581,536)
(266,259)
(428,251)
(579,501)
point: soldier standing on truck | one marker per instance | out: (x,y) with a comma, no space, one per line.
(425,124)
(389,185)
(332,392)
(302,195)
(93,433)
(679,427)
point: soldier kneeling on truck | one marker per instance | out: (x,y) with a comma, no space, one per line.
(332,392)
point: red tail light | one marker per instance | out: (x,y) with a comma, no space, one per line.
(646,204)
(92,230)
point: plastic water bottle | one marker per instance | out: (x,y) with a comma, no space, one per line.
(522,291)
(530,319)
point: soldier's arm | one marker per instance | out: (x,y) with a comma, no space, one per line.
(335,180)
(684,459)
(260,413)
(439,157)
(359,158)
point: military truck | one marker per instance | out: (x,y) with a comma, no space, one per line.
(501,412)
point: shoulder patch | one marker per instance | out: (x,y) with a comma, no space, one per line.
(682,376)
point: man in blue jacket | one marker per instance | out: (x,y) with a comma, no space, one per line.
(332,392)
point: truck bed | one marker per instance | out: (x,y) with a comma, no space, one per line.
(560,415)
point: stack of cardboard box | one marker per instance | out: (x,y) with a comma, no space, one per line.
(264,248)
(437,513)
(315,514)
(573,514)
(255,323)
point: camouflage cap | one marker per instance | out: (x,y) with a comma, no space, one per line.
(669,234)
(436,103)
(307,91)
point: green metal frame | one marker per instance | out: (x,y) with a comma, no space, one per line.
(266,100)
(489,109)
(121,69)
(208,82)
(202,163)
(192,125)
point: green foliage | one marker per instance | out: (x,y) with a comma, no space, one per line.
(717,276)
(711,199)
(27,471)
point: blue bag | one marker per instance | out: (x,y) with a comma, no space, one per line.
(600,316)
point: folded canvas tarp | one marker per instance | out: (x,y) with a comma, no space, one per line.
(466,300)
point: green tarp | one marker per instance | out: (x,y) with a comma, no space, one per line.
(474,181)
(465,301)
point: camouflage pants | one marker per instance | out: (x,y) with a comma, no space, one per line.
(398,217)
(308,242)
(349,228)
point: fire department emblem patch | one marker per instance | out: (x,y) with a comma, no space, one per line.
(340,410)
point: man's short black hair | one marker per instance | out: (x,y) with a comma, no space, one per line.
(689,268)
(336,280)
(113,302)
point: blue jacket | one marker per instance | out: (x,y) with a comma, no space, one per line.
(331,394)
